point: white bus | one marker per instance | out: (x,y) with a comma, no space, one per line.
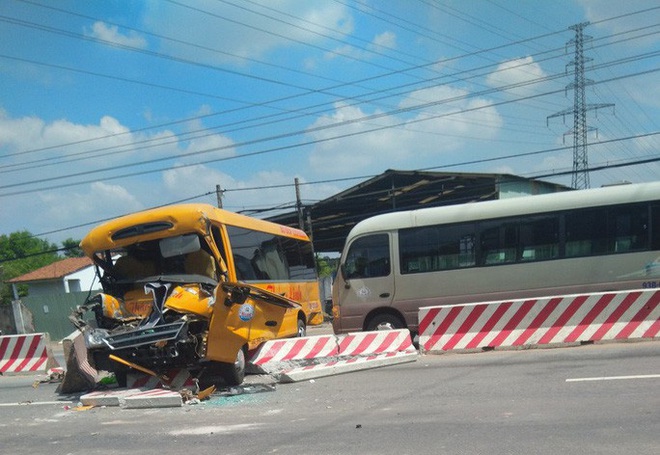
(563,243)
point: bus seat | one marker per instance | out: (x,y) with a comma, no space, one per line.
(200,263)
(131,267)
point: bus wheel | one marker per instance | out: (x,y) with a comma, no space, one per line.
(385,321)
(233,373)
(302,328)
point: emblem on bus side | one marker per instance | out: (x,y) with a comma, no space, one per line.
(246,312)
(364,292)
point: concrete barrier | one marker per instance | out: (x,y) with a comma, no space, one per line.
(133,398)
(80,375)
(542,321)
(26,353)
(297,359)
(333,367)
(272,355)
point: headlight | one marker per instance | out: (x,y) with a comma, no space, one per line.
(94,338)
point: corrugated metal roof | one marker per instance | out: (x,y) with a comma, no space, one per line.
(394,191)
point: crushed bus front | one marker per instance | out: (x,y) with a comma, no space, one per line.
(167,304)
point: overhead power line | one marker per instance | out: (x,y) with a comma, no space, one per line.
(267,103)
(210,130)
(286,135)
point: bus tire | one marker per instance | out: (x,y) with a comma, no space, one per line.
(302,328)
(385,321)
(233,373)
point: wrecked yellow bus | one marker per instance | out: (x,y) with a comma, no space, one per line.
(196,287)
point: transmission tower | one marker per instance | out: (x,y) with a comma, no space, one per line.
(579,109)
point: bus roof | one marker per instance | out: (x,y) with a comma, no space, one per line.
(175,220)
(475,211)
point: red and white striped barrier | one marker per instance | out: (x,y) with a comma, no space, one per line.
(317,356)
(377,342)
(542,321)
(275,352)
(25,353)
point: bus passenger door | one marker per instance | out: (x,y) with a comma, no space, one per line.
(365,281)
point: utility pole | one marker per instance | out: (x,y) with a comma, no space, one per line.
(579,109)
(301,221)
(219,193)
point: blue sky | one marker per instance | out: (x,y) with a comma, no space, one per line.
(108,107)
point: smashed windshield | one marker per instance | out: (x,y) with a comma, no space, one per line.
(173,257)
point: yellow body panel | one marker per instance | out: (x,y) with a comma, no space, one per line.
(306,293)
(228,332)
(191,299)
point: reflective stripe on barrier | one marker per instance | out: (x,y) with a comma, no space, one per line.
(542,321)
(25,353)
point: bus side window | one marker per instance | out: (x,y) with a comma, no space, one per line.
(655,227)
(368,257)
(499,243)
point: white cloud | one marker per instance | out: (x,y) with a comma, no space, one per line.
(192,180)
(385,39)
(376,46)
(67,208)
(243,194)
(249,32)
(211,147)
(35,150)
(36,141)
(402,140)
(598,13)
(112,34)
(520,77)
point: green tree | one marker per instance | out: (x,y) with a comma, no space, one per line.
(326,266)
(20,253)
(72,248)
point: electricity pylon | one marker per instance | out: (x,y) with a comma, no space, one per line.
(579,109)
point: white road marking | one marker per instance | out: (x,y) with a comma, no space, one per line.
(615,378)
(34,403)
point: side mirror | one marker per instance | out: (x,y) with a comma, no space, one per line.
(237,295)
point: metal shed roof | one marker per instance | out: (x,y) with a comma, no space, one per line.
(331,219)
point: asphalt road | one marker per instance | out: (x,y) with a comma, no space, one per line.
(602,399)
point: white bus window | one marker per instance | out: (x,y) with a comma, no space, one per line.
(368,257)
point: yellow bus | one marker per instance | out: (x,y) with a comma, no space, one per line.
(196,287)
